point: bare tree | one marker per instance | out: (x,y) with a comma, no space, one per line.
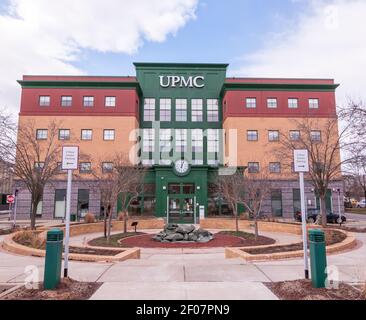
(257,188)
(232,188)
(121,180)
(8,136)
(324,143)
(356,169)
(36,161)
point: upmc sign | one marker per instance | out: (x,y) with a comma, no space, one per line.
(301,160)
(182,82)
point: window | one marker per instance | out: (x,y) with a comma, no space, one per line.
(108,134)
(107,167)
(165,109)
(212,110)
(315,136)
(272,103)
(44,101)
(314,103)
(293,103)
(39,165)
(181,140)
(273,135)
(251,103)
(276,202)
(252,135)
(197,146)
(41,134)
(60,203)
(253,167)
(85,167)
(86,134)
(64,134)
(148,140)
(88,101)
(110,102)
(165,145)
(294,135)
(149,110)
(83,202)
(213,146)
(181,109)
(66,101)
(275,167)
(296,200)
(197,110)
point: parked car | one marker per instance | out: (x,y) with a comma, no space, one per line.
(361,204)
(312,215)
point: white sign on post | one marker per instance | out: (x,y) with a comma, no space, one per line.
(301,165)
(70,161)
(70,157)
(301,160)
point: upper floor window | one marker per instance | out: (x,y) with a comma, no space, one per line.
(149,110)
(197,140)
(107,167)
(181,140)
(165,145)
(316,136)
(110,102)
(86,134)
(197,110)
(41,134)
(251,103)
(212,110)
(165,109)
(66,101)
(294,135)
(85,167)
(275,167)
(253,167)
(293,103)
(314,103)
(64,134)
(148,140)
(273,135)
(39,165)
(44,101)
(252,135)
(88,101)
(181,109)
(108,134)
(272,103)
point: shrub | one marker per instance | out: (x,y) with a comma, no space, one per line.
(89,218)
(30,239)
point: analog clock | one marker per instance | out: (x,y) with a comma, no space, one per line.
(181,166)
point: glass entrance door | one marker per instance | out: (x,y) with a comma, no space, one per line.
(181,209)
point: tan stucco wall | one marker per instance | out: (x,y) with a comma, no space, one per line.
(262,150)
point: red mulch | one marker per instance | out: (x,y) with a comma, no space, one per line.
(220,240)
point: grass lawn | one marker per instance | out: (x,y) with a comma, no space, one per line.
(356,210)
(102,242)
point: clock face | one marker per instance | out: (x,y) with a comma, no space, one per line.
(181,166)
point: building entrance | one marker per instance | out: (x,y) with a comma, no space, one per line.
(181,203)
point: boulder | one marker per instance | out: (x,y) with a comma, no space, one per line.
(185,228)
(174,237)
(175,232)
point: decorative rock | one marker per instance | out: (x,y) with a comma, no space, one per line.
(188,233)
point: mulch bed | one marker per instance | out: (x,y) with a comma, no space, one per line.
(113,242)
(220,240)
(331,237)
(303,290)
(68,289)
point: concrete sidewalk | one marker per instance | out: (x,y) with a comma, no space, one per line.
(186,273)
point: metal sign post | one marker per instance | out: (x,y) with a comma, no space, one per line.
(70,156)
(15,208)
(301,165)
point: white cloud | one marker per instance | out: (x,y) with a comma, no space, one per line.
(328,42)
(45,37)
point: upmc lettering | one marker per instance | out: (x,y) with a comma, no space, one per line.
(182,82)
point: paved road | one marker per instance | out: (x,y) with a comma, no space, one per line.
(187,274)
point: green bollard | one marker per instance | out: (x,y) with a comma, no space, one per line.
(53,261)
(318,258)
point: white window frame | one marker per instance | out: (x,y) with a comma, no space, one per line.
(291,103)
(181,110)
(272,103)
(181,141)
(109,135)
(62,136)
(271,135)
(44,101)
(251,103)
(313,103)
(276,166)
(40,134)
(149,109)
(250,135)
(148,140)
(110,101)
(165,109)
(212,110)
(197,110)
(88,101)
(66,101)
(83,170)
(86,137)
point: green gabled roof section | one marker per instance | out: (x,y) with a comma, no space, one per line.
(134,85)
(237,86)
(180,65)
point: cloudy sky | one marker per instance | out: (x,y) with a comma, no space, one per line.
(278,38)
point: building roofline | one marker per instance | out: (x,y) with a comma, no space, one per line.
(179,65)
(276,78)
